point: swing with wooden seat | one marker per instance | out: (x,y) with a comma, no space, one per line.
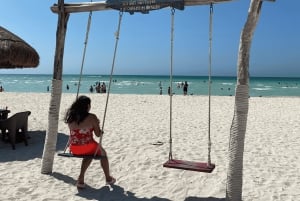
(94,156)
(207,167)
(171,163)
(122,6)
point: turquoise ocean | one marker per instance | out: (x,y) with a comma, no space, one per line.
(148,84)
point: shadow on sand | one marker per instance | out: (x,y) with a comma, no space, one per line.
(115,192)
(33,150)
(204,199)
(105,193)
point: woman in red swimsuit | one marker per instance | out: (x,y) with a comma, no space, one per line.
(82,125)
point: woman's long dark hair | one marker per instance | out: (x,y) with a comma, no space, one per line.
(78,110)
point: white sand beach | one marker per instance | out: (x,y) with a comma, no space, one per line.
(133,123)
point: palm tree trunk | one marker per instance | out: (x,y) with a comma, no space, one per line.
(53,115)
(239,123)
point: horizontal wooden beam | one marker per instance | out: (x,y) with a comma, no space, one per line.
(82,7)
(203,2)
(103,5)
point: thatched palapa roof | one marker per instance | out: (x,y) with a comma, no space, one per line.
(15,52)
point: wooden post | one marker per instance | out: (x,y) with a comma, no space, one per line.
(53,115)
(239,123)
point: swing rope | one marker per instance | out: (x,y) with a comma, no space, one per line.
(82,63)
(117,34)
(181,164)
(84,51)
(209,82)
(108,92)
(171,80)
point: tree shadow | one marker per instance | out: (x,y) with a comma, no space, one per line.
(33,150)
(105,193)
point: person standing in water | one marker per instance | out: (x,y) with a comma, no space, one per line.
(185,88)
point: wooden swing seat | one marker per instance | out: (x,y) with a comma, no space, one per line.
(70,155)
(189,165)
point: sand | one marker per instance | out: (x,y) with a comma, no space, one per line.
(134,123)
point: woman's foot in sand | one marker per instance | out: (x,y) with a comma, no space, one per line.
(110,181)
(80,184)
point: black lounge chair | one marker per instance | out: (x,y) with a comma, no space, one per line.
(15,127)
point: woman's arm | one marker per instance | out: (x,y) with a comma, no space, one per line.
(96,125)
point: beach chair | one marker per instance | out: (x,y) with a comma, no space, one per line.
(15,128)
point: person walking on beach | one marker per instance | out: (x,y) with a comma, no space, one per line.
(185,88)
(83,125)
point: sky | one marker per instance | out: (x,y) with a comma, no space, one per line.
(144,43)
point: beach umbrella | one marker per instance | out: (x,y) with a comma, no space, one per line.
(15,52)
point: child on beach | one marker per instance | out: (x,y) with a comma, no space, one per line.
(82,125)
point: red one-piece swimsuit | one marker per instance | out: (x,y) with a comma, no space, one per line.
(83,143)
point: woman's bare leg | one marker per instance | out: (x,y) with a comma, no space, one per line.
(105,166)
(84,166)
